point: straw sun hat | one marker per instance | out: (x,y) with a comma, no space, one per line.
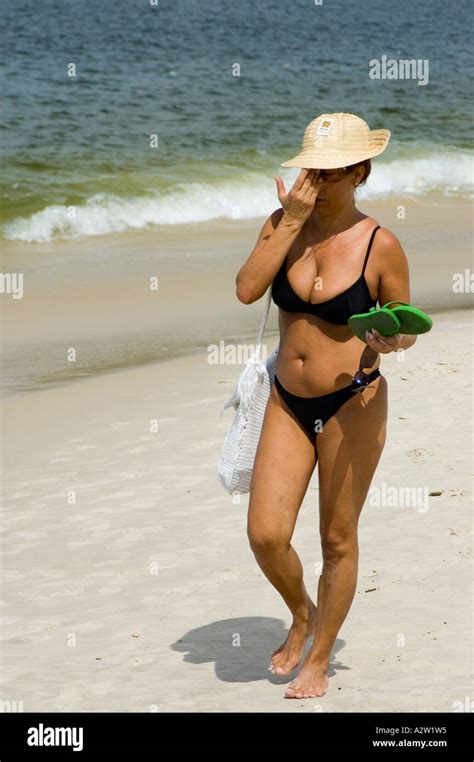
(338,140)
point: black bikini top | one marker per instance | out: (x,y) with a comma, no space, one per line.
(336,310)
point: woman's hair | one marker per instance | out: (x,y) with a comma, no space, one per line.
(366,163)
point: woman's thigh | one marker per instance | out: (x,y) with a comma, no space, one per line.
(284,462)
(349,449)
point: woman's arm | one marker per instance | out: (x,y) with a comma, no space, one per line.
(276,236)
(394,284)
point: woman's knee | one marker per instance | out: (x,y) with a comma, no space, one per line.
(265,539)
(337,544)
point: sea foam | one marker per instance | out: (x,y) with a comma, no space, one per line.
(251,195)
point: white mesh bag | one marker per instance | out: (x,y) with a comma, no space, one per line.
(249,401)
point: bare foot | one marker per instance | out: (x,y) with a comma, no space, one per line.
(288,656)
(312,681)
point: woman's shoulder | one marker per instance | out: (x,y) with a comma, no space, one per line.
(386,238)
(387,248)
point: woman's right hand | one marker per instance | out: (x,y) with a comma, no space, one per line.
(299,202)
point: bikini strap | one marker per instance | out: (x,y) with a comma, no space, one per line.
(369,247)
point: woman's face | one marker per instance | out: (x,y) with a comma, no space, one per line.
(337,188)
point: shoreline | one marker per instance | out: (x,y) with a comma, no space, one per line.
(94,296)
(270,337)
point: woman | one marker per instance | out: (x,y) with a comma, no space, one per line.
(325,260)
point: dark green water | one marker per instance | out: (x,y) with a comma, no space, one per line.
(83,141)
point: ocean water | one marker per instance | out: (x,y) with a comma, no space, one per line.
(75,150)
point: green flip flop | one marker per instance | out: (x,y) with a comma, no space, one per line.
(390,320)
(384,321)
(412,320)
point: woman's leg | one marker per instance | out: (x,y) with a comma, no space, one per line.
(284,462)
(349,449)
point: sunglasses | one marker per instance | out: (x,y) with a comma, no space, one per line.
(359,381)
(332,178)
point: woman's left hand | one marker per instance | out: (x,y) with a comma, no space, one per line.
(383,344)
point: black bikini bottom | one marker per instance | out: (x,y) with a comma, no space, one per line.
(314,412)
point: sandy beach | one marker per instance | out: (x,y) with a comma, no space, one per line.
(128,582)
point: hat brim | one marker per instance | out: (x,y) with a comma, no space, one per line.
(331,159)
